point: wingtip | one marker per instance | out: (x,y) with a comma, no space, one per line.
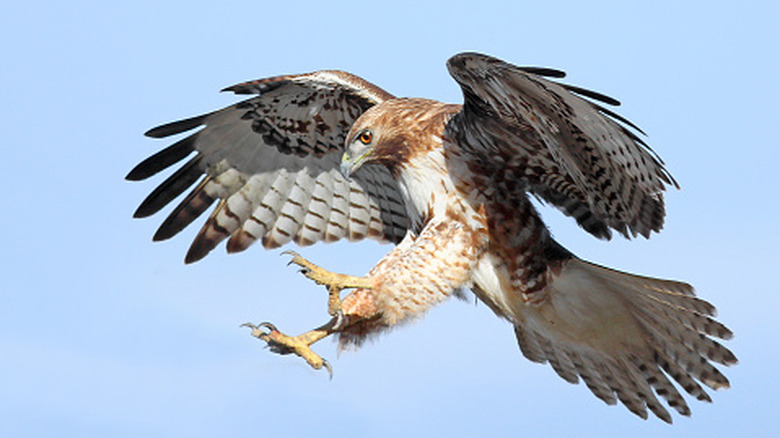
(154,132)
(148,207)
(161,235)
(194,254)
(545,71)
(592,94)
(258,86)
(135,174)
(141,213)
(177,127)
(230,89)
(159,131)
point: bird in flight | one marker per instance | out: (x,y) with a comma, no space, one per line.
(327,155)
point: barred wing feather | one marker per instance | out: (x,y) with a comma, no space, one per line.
(272,163)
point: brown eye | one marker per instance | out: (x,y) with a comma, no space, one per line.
(365,137)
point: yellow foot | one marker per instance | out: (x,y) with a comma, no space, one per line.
(331,280)
(280,343)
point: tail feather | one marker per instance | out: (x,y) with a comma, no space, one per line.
(645,392)
(696,341)
(625,389)
(529,346)
(560,362)
(594,380)
(663,387)
(691,319)
(692,361)
(624,334)
(684,379)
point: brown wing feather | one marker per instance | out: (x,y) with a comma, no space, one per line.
(272,162)
(567,150)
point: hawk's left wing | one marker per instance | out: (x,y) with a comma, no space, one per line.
(570,151)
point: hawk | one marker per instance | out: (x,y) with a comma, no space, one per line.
(326,156)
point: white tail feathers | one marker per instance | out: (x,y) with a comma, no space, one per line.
(623,334)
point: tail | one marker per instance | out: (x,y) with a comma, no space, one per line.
(623,334)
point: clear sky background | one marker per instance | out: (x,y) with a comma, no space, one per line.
(103,333)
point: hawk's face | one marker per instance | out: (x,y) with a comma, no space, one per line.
(359,149)
(376,137)
(393,131)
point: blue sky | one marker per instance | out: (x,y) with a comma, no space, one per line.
(104,333)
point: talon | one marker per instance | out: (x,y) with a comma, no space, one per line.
(338,320)
(295,256)
(290,252)
(259,333)
(300,345)
(269,326)
(326,365)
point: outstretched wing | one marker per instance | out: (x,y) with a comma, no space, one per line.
(272,162)
(569,151)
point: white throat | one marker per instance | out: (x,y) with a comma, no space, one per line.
(425,185)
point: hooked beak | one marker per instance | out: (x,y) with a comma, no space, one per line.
(351,164)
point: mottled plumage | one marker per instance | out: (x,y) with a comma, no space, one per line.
(326,155)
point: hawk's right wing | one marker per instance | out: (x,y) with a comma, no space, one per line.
(272,162)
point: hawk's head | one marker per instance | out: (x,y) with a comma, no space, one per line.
(393,132)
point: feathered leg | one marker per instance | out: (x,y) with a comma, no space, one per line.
(418,273)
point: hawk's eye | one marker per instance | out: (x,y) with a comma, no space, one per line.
(365,137)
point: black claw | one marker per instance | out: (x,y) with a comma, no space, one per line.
(339,320)
(269,326)
(257,331)
(258,327)
(292,253)
(326,365)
